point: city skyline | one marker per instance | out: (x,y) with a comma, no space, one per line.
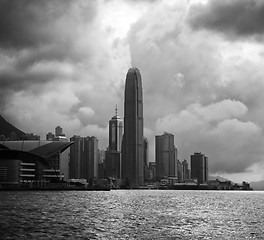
(85,162)
(201,61)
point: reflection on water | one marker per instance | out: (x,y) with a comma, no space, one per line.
(132,214)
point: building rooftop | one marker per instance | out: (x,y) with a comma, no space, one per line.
(44,149)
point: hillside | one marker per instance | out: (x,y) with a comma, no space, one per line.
(7,128)
(211,177)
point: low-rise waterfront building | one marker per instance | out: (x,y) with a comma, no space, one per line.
(27,162)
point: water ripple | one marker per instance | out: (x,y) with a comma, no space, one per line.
(135,214)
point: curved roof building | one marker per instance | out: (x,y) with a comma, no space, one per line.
(44,149)
(27,161)
(6,129)
(132,146)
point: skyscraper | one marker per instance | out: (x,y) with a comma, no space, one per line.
(84,158)
(133,141)
(113,153)
(146,158)
(165,155)
(50,136)
(183,171)
(146,152)
(58,131)
(75,157)
(199,167)
(89,163)
(115,133)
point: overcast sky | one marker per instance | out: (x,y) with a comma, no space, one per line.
(64,63)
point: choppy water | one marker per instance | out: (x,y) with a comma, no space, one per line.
(132,214)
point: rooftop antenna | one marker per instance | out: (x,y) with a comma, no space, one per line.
(116,110)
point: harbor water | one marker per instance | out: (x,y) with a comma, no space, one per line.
(132,214)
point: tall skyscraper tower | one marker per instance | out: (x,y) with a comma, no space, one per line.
(183,171)
(113,153)
(199,167)
(75,157)
(84,158)
(165,155)
(58,131)
(133,141)
(115,133)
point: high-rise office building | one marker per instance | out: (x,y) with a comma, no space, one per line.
(115,133)
(199,167)
(183,171)
(179,171)
(89,163)
(152,171)
(101,156)
(146,158)
(84,158)
(113,153)
(50,136)
(101,164)
(165,156)
(58,131)
(133,140)
(146,151)
(176,162)
(75,157)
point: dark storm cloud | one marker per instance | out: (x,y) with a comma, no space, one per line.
(236,18)
(16,79)
(53,52)
(37,36)
(30,23)
(23,23)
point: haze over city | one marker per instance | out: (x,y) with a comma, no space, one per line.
(64,63)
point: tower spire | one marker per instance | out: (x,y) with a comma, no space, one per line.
(116,110)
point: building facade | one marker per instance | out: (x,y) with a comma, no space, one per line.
(165,156)
(183,171)
(146,158)
(63,159)
(89,163)
(84,158)
(50,136)
(30,137)
(152,171)
(75,157)
(113,153)
(133,140)
(115,133)
(27,162)
(199,168)
(58,131)
(146,151)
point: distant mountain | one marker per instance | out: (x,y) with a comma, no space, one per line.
(219,178)
(257,185)
(7,128)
